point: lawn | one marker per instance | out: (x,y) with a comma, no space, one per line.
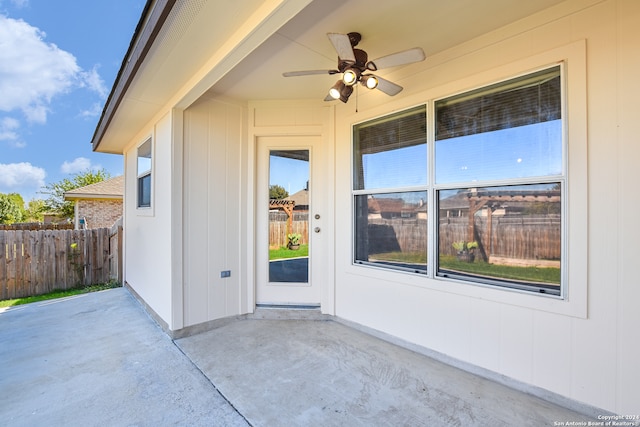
(548,275)
(59,294)
(403,257)
(284,253)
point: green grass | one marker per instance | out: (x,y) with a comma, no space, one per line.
(549,275)
(403,257)
(59,294)
(284,253)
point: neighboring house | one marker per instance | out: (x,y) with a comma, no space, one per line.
(512,96)
(301,200)
(97,205)
(53,218)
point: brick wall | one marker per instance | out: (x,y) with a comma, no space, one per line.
(99,213)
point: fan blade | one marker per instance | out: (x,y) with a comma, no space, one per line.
(388,87)
(400,58)
(342,44)
(308,73)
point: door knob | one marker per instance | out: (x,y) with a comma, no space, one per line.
(317,229)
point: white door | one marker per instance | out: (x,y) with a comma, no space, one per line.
(289,221)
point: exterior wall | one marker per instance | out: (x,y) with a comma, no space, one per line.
(586,347)
(148,244)
(98,213)
(214,211)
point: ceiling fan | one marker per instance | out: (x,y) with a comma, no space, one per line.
(355,67)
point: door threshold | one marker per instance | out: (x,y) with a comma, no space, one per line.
(290,306)
(288,312)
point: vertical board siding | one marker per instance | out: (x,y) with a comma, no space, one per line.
(38,262)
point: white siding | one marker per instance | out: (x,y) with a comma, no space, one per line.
(590,354)
(147,243)
(627,208)
(213,211)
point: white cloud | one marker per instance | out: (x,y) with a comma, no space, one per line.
(17,176)
(94,111)
(8,132)
(93,81)
(79,164)
(33,72)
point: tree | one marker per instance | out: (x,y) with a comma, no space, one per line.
(10,209)
(277,192)
(55,202)
(35,211)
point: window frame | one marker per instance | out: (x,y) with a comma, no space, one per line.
(573,301)
(436,188)
(142,176)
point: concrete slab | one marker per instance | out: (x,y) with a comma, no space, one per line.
(99,360)
(315,372)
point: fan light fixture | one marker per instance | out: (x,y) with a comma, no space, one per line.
(340,91)
(370,81)
(350,77)
(353,63)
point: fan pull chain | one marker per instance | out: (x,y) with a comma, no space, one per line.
(357,92)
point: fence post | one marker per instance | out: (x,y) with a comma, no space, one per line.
(120,266)
(4,257)
(115,252)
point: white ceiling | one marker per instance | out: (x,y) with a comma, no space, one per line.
(386,27)
(203,40)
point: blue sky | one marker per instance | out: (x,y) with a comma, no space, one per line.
(290,174)
(58,62)
(522,151)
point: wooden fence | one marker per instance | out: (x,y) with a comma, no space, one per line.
(33,226)
(533,237)
(38,262)
(278,228)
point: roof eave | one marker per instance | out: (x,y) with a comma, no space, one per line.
(153,16)
(80,196)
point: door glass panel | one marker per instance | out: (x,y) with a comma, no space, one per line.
(289,216)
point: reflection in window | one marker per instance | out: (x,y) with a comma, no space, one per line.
(498,163)
(289,216)
(509,130)
(391,152)
(510,133)
(144,174)
(510,235)
(389,189)
(391,230)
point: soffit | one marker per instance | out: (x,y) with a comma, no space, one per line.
(203,40)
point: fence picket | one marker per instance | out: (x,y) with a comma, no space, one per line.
(3,266)
(11,264)
(35,249)
(48,259)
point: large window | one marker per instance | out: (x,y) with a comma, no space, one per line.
(390,191)
(498,183)
(144,174)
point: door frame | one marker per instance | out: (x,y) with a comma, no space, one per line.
(308,294)
(290,118)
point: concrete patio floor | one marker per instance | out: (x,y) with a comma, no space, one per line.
(99,359)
